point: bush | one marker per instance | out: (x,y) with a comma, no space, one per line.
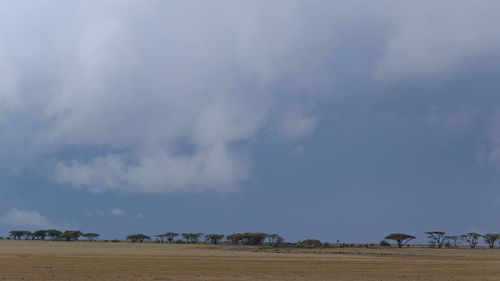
(115,241)
(310,243)
(384,243)
(1,237)
(327,245)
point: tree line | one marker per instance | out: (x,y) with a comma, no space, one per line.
(248,238)
(439,239)
(52,234)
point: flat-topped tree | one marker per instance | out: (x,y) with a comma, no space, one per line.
(400,238)
(192,237)
(491,238)
(71,235)
(275,239)
(28,235)
(436,237)
(54,234)
(453,239)
(235,238)
(253,238)
(471,238)
(40,234)
(214,237)
(138,237)
(170,236)
(16,234)
(91,236)
(160,237)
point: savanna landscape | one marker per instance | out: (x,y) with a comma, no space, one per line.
(313,140)
(81,260)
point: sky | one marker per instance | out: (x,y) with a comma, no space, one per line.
(333,120)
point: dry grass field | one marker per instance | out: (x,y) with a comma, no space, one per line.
(47,260)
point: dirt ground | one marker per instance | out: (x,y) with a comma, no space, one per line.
(48,260)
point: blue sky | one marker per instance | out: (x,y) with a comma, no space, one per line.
(313,119)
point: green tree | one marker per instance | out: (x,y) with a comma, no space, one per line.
(91,236)
(171,236)
(437,237)
(253,238)
(138,237)
(40,234)
(16,234)
(471,238)
(491,238)
(54,234)
(214,237)
(452,239)
(161,237)
(28,235)
(234,238)
(191,237)
(275,239)
(400,238)
(71,235)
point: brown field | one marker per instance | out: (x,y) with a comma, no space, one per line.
(47,260)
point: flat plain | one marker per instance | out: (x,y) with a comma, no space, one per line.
(54,260)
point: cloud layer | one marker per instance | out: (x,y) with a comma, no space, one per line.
(166,97)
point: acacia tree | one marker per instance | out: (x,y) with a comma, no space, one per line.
(28,235)
(191,237)
(91,236)
(138,237)
(275,239)
(401,238)
(471,238)
(253,238)
(214,237)
(161,237)
(40,234)
(235,238)
(491,238)
(16,234)
(54,234)
(71,235)
(170,236)
(455,239)
(436,237)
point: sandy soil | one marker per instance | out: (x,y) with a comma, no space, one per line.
(48,260)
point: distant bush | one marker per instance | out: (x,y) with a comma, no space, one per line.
(310,243)
(384,243)
(327,245)
(1,237)
(115,241)
(179,241)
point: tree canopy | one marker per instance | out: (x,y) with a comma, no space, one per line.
(401,238)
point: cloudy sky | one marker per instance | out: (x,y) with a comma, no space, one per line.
(313,119)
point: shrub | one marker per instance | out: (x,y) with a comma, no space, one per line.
(384,243)
(310,243)
(115,241)
(327,245)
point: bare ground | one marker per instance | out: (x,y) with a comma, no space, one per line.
(48,260)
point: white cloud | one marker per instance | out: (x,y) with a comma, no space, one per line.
(490,154)
(117,212)
(436,38)
(453,123)
(24,218)
(140,216)
(170,109)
